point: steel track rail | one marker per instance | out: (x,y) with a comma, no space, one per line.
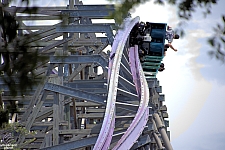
(105,135)
(141,118)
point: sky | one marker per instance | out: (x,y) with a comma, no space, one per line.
(193,83)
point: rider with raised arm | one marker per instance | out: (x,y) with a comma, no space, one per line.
(170,35)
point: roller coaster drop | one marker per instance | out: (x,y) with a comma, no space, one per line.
(133,109)
(138,124)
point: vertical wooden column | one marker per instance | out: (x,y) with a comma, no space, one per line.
(58,106)
(76,36)
(75,113)
(61,98)
(56,119)
(67,114)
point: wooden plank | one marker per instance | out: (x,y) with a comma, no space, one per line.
(163,108)
(67,114)
(38,135)
(92,115)
(52,37)
(44,114)
(78,137)
(77,71)
(165,115)
(17,98)
(38,140)
(38,18)
(40,71)
(75,131)
(90,126)
(57,8)
(61,123)
(43,27)
(24,105)
(47,142)
(95,110)
(31,146)
(23,109)
(87,104)
(84,43)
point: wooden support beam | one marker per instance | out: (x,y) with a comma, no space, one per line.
(56,119)
(31,146)
(75,113)
(88,104)
(38,18)
(33,115)
(92,115)
(43,114)
(47,142)
(76,71)
(35,99)
(61,123)
(95,110)
(76,131)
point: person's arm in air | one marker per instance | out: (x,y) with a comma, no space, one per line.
(168,28)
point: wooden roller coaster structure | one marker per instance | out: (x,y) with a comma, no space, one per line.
(90,98)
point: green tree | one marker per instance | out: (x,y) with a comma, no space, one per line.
(4,114)
(10,133)
(18,59)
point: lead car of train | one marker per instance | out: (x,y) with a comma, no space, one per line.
(150,38)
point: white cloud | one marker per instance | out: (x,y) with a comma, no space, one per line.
(95,2)
(151,13)
(196,100)
(199,33)
(207,131)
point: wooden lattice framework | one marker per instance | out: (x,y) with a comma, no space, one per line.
(68,105)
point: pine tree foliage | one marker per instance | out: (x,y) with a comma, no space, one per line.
(18,60)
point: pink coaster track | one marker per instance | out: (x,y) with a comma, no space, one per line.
(140,120)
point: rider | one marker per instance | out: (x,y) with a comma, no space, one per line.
(170,35)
